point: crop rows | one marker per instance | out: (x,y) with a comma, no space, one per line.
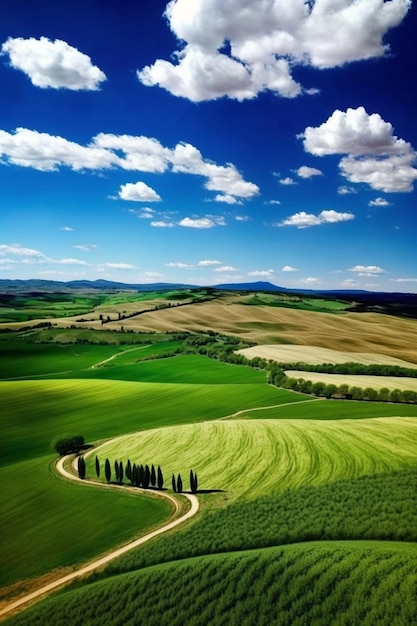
(380,507)
(296,585)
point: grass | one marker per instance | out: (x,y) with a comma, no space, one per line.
(336,584)
(251,458)
(34,412)
(49,523)
(22,308)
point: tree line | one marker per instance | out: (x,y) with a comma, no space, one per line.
(139,475)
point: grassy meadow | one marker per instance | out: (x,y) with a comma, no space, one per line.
(308,506)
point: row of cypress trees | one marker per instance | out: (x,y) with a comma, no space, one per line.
(139,475)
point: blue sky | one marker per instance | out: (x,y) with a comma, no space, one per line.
(209,141)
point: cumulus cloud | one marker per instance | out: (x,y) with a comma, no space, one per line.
(306,220)
(239,48)
(228,199)
(162,224)
(367,270)
(71,262)
(344,190)
(41,151)
(287,181)
(272,202)
(208,262)
(262,273)
(16,249)
(308,172)
(119,266)
(138,192)
(379,202)
(225,268)
(375,156)
(201,222)
(67,229)
(289,268)
(53,64)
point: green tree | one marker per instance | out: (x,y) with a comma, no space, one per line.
(116,470)
(121,472)
(146,477)
(67,444)
(97,467)
(160,478)
(128,471)
(107,470)
(173,482)
(81,467)
(179,484)
(153,476)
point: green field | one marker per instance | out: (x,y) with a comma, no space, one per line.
(333,478)
(249,459)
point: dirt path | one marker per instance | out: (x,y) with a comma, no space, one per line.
(114,356)
(86,569)
(263,408)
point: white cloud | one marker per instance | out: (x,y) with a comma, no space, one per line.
(272,202)
(367,270)
(29,148)
(349,283)
(390,174)
(181,266)
(151,275)
(17,250)
(138,192)
(243,218)
(264,40)
(139,153)
(53,64)
(187,159)
(379,202)
(308,172)
(41,151)
(343,190)
(375,156)
(67,229)
(288,268)
(287,181)
(404,280)
(84,248)
(119,266)
(306,220)
(201,222)
(228,199)
(208,262)
(71,262)
(262,273)
(162,224)
(225,268)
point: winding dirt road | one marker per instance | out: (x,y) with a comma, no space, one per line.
(86,569)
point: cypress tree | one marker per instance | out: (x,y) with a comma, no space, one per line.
(195,483)
(120,472)
(191,481)
(141,475)
(81,467)
(107,470)
(116,470)
(133,474)
(153,476)
(146,477)
(97,467)
(128,470)
(174,484)
(179,483)
(160,478)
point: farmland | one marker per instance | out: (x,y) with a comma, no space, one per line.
(307,506)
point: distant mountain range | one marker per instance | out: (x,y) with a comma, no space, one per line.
(37,285)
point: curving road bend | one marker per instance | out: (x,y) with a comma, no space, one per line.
(86,569)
